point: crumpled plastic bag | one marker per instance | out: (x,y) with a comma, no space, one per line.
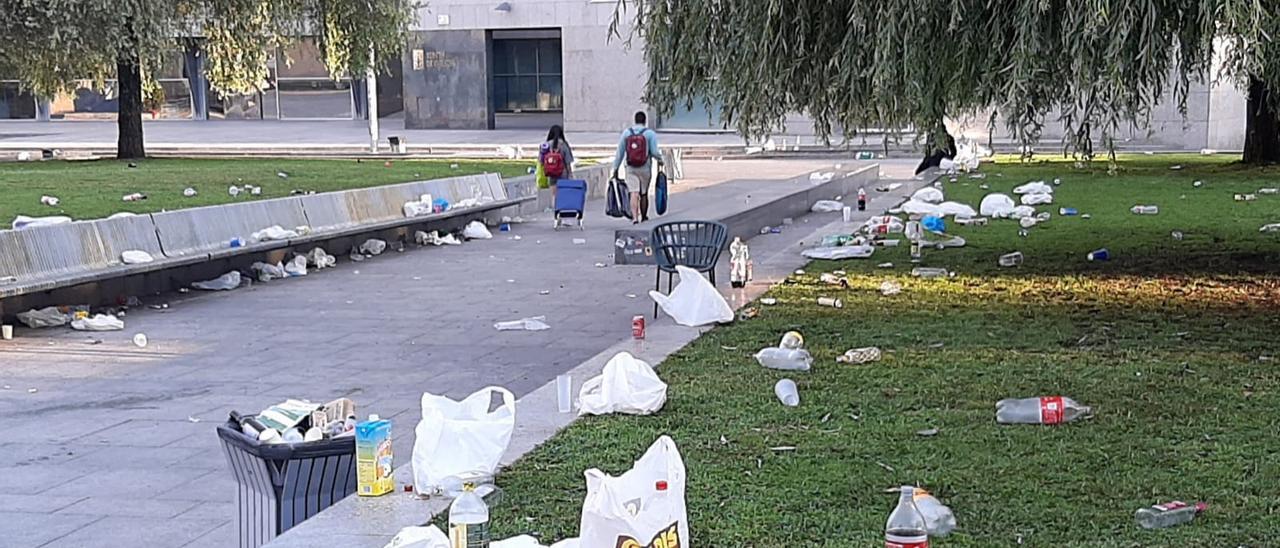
(695,301)
(955,208)
(419,537)
(1038,198)
(928,194)
(476,230)
(22,221)
(296,267)
(1273,227)
(1034,187)
(434,238)
(99,322)
(134,256)
(969,154)
(996,205)
(321,260)
(228,281)
(270,233)
(1022,211)
(49,316)
(827,206)
(626,385)
(941,240)
(533,323)
(835,253)
(373,246)
(934,223)
(267,272)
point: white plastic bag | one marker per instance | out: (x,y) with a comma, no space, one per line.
(627,385)
(45,317)
(461,439)
(321,260)
(928,194)
(694,301)
(1034,187)
(230,280)
(373,246)
(22,221)
(996,205)
(955,208)
(267,272)
(414,209)
(419,537)
(270,233)
(1022,211)
(834,253)
(476,231)
(134,256)
(99,322)
(1038,198)
(883,224)
(826,206)
(296,267)
(628,510)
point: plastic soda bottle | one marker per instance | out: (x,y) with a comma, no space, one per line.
(1011,259)
(906,527)
(468,520)
(1050,410)
(862,199)
(1168,514)
(1145,210)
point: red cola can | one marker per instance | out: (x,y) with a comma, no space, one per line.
(637,326)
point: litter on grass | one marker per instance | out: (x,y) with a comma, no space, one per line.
(835,253)
(694,301)
(890,287)
(860,355)
(786,359)
(627,385)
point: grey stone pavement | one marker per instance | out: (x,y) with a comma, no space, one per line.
(112,445)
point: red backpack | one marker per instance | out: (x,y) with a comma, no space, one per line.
(553,162)
(637,149)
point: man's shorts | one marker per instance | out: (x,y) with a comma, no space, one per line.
(638,179)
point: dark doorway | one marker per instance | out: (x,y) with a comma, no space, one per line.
(528,85)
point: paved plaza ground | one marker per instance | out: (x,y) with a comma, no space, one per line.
(115,439)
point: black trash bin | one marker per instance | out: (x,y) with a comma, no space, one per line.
(280,485)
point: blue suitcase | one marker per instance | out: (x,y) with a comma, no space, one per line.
(571,198)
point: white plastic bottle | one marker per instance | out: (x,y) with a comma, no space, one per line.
(1168,514)
(1049,410)
(928,272)
(1011,259)
(468,520)
(906,526)
(787,359)
(1145,210)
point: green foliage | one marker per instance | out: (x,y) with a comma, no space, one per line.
(1099,65)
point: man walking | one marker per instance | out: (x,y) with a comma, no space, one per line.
(637,152)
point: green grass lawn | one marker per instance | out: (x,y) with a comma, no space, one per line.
(93,189)
(1171,342)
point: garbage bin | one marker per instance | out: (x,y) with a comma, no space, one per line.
(280,485)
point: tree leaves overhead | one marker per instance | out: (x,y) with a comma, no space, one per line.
(49,43)
(1099,65)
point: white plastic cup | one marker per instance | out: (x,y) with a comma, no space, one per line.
(787,392)
(564,393)
(829,301)
(848,214)
(6,332)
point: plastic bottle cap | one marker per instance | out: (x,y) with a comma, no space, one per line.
(661,485)
(374,417)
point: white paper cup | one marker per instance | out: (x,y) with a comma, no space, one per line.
(848,214)
(6,332)
(564,393)
(787,392)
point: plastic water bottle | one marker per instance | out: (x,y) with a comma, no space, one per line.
(1068,211)
(468,520)
(1011,259)
(1168,514)
(906,527)
(939,521)
(1050,410)
(927,272)
(786,359)
(1145,210)
(1099,255)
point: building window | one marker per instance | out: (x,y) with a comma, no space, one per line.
(527,75)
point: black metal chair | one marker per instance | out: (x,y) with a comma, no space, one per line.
(695,244)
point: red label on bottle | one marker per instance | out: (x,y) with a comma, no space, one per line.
(895,541)
(1051,410)
(1173,505)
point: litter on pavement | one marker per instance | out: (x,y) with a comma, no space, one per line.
(476,230)
(99,322)
(694,301)
(373,246)
(228,281)
(49,316)
(533,323)
(136,257)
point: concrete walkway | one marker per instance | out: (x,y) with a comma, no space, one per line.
(112,445)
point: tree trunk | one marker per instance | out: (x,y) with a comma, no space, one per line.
(129,118)
(1261,127)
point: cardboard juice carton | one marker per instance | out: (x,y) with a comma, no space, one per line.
(373,457)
